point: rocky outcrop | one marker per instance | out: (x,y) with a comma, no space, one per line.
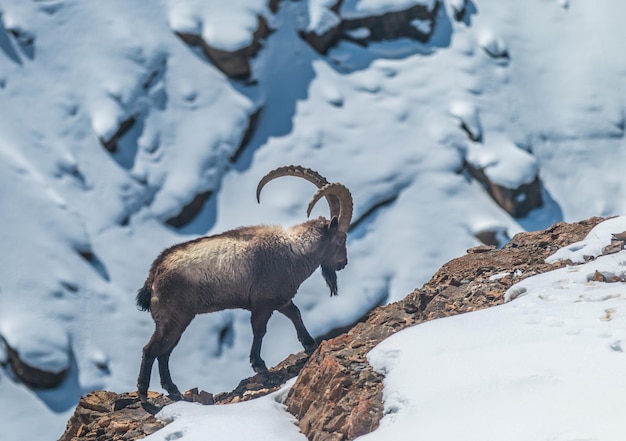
(108,416)
(395,25)
(29,375)
(459,7)
(103,415)
(123,128)
(518,202)
(416,22)
(189,211)
(235,64)
(338,396)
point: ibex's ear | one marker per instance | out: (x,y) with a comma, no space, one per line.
(334,223)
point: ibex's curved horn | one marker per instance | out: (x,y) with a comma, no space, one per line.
(306,173)
(342,194)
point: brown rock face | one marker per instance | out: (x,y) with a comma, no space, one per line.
(394,25)
(518,202)
(27,374)
(189,211)
(338,396)
(389,26)
(235,65)
(107,416)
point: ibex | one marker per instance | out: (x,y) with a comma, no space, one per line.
(258,268)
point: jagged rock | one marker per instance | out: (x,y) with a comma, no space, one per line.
(31,376)
(322,42)
(518,202)
(469,119)
(338,396)
(107,416)
(196,396)
(459,7)
(124,127)
(323,39)
(481,249)
(494,237)
(388,26)
(263,384)
(189,211)
(253,119)
(235,65)
(103,415)
(615,246)
(394,25)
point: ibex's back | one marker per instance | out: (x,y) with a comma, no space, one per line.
(238,268)
(257,268)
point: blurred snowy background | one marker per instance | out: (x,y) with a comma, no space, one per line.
(121,133)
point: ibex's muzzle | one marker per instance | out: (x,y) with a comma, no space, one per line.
(341,265)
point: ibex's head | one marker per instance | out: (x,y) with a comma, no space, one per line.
(340,203)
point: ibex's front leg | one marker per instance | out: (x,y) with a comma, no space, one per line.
(291,311)
(259,320)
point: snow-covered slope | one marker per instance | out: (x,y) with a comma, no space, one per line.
(546,366)
(80,225)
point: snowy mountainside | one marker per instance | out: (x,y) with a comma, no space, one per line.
(84,205)
(555,362)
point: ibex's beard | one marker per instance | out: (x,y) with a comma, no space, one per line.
(331,279)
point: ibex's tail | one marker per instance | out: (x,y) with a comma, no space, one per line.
(143,297)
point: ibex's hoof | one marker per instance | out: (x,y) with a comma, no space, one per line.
(143,395)
(172,391)
(309,349)
(260,367)
(175,396)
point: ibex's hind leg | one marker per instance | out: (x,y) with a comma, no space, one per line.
(161,344)
(166,378)
(259,321)
(143,382)
(291,311)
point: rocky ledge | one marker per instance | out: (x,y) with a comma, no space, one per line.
(338,396)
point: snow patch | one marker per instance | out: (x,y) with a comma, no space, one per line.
(593,244)
(45,347)
(321,18)
(530,366)
(265,420)
(467,114)
(493,44)
(503,162)
(225,26)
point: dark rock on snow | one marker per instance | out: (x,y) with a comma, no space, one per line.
(363,30)
(31,376)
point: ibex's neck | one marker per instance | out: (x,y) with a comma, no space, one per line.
(309,243)
(314,242)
